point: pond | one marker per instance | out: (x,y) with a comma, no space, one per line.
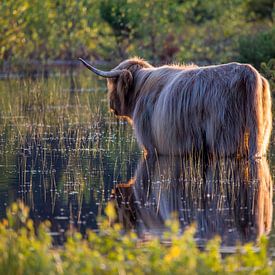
(65,155)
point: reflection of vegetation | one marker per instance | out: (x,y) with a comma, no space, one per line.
(109,252)
(67,148)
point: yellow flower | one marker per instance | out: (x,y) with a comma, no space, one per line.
(173,254)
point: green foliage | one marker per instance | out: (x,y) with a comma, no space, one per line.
(268,69)
(202,11)
(161,28)
(160,31)
(123,19)
(75,28)
(12,38)
(261,8)
(24,251)
(45,29)
(191,30)
(37,30)
(214,39)
(259,48)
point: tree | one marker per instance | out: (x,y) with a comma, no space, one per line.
(74,28)
(123,18)
(37,30)
(12,22)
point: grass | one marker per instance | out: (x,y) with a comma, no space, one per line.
(44,125)
(24,251)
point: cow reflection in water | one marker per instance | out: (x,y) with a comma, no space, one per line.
(232,198)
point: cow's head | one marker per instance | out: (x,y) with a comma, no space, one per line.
(120,84)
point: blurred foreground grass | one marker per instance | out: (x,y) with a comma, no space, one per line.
(24,251)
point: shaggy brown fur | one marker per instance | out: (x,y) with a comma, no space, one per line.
(222,110)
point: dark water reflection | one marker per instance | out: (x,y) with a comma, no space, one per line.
(69,183)
(61,152)
(229,198)
(65,182)
(65,156)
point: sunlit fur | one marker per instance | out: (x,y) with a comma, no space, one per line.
(230,198)
(223,110)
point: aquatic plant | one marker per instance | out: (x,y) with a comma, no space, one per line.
(61,149)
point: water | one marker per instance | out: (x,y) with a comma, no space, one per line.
(65,155)
(231,198)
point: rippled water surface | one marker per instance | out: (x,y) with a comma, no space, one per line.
(65,155)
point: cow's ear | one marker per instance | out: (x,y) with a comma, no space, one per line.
(125,81)
(124,84)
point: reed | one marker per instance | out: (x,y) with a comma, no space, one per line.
(64,144)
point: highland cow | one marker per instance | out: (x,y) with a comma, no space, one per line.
(222,110)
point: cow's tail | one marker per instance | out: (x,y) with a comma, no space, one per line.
(254,111)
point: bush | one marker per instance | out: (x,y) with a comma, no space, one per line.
(261,8)
(257,49)
(22,251)
(268,70)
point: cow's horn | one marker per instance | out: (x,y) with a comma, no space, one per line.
(115,73)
